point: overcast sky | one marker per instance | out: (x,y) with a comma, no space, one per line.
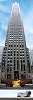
(26,11)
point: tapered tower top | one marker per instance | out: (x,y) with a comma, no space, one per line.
(15,8)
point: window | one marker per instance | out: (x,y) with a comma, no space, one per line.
(8,54)
(17,41)
(23,54)
(20,51)
(10,61)
(11,45)
(21,66)
(17,51)
(29,67)
(2,70)
(14,62)
(14,68)
(32,63)
(11,54)
(8,49)
(14,57)
(7,64)
(20,48)
(17,57)
(14,54)
(14,45)
(17,45)
(7,69)
(24,67)
(23,61)
(17,54)
(10,64)
(4,48)
(17,64)
(14,51)
(10,69)
(14,48)
(20,45)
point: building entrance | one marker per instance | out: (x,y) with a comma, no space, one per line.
(16,75)
(23,76)
(8,76)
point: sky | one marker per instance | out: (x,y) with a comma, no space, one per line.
(26,11)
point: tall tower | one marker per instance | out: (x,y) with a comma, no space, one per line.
(14,58)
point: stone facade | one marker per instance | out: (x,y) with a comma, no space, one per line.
(31,59)
(0,70)
(15,59)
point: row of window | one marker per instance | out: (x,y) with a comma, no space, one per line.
(16,35)
(17,66)
(17,46)
(20,39)
(11,41)
(20,36)
(10,54)
(3,63)
(8,69)
(22,67)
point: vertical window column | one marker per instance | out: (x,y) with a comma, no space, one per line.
(14,64)
(24,67)
(17,64)
(21,66)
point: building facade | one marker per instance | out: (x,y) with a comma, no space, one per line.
(31,59)
(15,58)
(0,70)
(1,50)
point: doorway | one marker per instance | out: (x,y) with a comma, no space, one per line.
(8,76)
(23,76)
(16,75)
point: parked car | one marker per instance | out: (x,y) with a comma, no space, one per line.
(24,94)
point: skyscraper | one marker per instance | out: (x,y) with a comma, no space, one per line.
(14,59)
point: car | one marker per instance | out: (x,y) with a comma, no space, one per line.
(24,94)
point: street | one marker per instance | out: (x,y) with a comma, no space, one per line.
(12,93)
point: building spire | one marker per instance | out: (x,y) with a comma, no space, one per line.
(16,8)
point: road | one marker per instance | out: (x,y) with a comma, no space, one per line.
(16,98)
(12,93)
